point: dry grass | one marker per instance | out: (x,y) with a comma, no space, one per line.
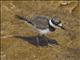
(16,49)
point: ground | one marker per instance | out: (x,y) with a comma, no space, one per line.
(14,32)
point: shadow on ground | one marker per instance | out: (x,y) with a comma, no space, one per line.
(42,41)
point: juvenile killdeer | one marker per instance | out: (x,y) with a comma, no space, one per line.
(43,24)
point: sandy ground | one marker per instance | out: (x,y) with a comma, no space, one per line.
(15,44)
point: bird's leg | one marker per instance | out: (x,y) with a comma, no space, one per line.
(45,38)
(37,39)
(41,40)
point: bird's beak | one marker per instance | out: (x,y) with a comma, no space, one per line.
(61,26)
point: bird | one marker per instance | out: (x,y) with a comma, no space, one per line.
(43,24)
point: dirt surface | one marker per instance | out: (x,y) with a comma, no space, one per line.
(14,42)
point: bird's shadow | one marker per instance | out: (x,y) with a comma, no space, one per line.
(42,42)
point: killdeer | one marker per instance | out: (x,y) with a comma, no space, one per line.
(43,24)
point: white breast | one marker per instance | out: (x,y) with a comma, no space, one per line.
(45,31)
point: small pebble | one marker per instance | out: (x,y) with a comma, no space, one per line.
(65,3)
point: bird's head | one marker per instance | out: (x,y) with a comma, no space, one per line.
(56,23)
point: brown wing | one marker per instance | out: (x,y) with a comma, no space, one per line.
(41,22)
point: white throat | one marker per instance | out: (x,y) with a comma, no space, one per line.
(51,24)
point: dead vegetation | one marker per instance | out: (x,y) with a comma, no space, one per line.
(17,49)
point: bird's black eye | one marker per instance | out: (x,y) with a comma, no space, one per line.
(59,22)
(56,22)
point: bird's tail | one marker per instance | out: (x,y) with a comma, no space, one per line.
(23,18)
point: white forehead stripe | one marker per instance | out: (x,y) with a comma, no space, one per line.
(60,24)
(51,24)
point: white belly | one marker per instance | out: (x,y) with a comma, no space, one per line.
(45,31)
